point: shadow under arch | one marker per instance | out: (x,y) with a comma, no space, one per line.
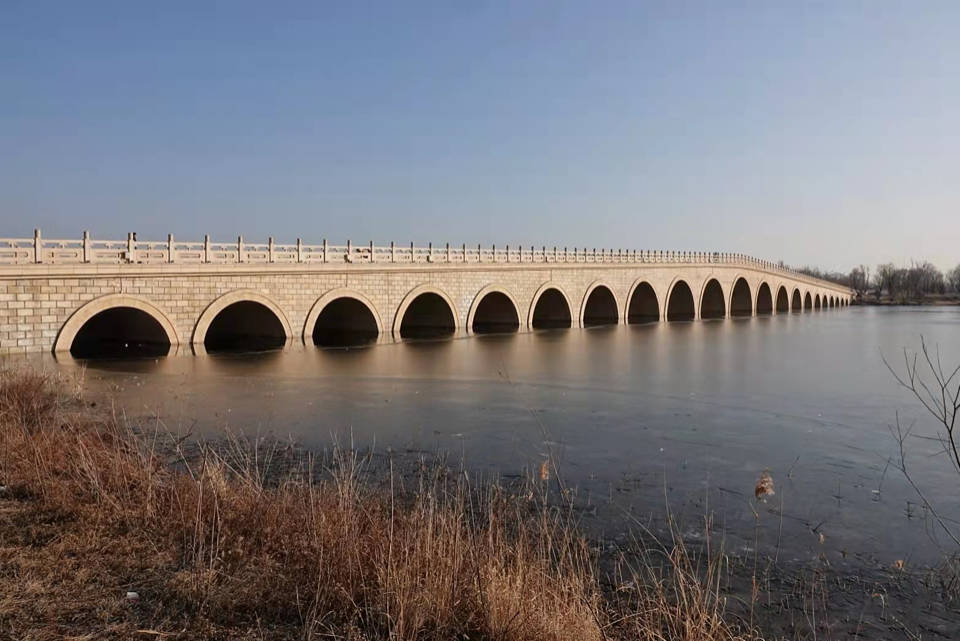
(342,317)
(764,299)
(796,302)
(117,325)
(741,299)
(241,320)
(494,310)
(680,303)
(783,300)
(807,302)
(643,306)
(425,312)
(550,308)
(712,303)
(599,306)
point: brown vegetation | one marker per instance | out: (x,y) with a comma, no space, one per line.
(107,533)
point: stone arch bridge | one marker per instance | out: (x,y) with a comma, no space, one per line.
(92,297)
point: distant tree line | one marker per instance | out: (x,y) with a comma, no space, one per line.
(903,283)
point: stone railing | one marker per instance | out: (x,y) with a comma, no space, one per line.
(23,251)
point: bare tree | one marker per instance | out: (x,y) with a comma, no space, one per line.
(860,280)
(953,279)
(938,390)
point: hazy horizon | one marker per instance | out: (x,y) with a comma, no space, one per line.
(823,135)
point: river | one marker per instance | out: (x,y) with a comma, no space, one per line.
(637,417)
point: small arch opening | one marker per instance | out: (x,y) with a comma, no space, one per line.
(741,303)
(783,302)
(345,322)
(797,304)
(712,304)
(807,302)
(680,306)
(428,316)
(120,332)
(495,314)
(644,307)
(245,326)
(764,300)
(600,308)
(816,302)
(551,311)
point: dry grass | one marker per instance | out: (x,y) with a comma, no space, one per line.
(90,511)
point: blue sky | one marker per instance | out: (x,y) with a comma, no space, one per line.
(817,133)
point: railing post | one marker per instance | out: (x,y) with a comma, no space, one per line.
(131,248)
(413,255)
(508,253)
(494,248)
(86,246)
(299,251)
(270,249)
(479,253)
(325,247)
(464,252)
(430,252)
(520,252)
(372,255)
(170,248)
(448,252)
(206,248)
(37,247)
(239,249)
(393,252)
(349,257)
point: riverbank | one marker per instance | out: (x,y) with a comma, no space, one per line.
(929,299)
(111,533)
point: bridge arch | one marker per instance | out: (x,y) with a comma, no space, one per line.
(783,300)
(713,303)
(550,308)
(807,302)
(139,320)
(816,302)
(494,309)
(796,301)
(342,317)
(681,305)
(642,304)
(242,318)
(764,299)
(599,306)
(425,312)
(741,299)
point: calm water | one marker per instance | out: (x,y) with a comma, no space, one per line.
(695,411)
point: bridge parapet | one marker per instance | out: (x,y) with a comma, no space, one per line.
(86,250)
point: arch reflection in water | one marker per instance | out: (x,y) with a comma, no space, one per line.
(120,332)
(244,326)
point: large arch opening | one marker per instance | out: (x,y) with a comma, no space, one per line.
(345,322)
(680,305)
(816,302)
(245,325)
(643,306)
(495,314)
(783,302)
(712,304)
(120,332)
(764,300)
(807,303)
(600,308)
(796,305)
(741,302)
(428,316)
(551,310)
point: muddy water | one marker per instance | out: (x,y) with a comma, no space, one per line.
(682,413)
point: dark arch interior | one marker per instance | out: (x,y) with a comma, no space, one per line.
(816,301)
(712,305)
(643,307)
(245,326)
(680,305)
(345,322)
(807,302)
(783,303)
(428,316)
(764,300)
(741,303)
(495,314)
(551,311)
(797,304)
(600,308)
(120,332)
